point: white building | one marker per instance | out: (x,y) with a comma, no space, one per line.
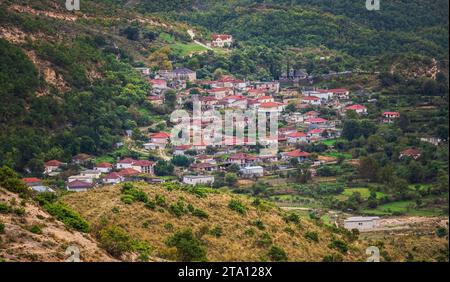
(253,171)
(198,179)
(361,223)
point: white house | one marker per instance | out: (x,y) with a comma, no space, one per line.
(125,163)
(296,137)
(198,179)
(252,171)
(103,167)
(312,100)
(94,174)
(222,40)
(361,223)
(113,178)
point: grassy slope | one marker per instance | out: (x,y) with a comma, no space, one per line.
(19,244)
(233,245)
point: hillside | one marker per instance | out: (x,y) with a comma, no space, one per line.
(228,235)
(31,234)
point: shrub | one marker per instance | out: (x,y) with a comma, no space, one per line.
(115,241)
(4,208)
(292,217)
(441,232)
(150,205)
(259,224)
(11,181)
(216,231)
(339,245)
(333,258)
(312,236)
(277,254)
(2,227)
(289,231)
(200,213)
(189,248)
(178,209)
(67,216)
(127,199)
(168,226)
(264,240)
(36,229)
(237,206)
(160,200)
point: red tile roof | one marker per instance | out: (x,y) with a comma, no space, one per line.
(271,105)
(31,180)
(143,163)
(298,154)
(104,165)
(80,184)
(311,98)
(113,175)
(221,36)
(53,163)
(316,120)
(160,135)
(296,135)
(128,172)
(126,161)
(356,107)
(242,156)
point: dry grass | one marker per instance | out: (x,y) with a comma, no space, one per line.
(233,245)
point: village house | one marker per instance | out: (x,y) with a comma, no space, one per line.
(179,74)
(317,122)
(312,100)
(222,40)
(144,166)
(202,167)
(220,93)
(231,82)
(198,180)
(113,178)
(129,174)
(79,177)
(32,181)
(389,117)
(252,171)
(241,159)
(271,86)
(272,107)
(410,153)
(82,159)
(236,102)
(205,159)
(256,93)
(143,70)
(296,137)
(294,118)
(79,186)
(160,84)
(125,163)
(296,154)
(208,102)
(181,150)
(92,173)
(361,223)
(359,109)
(103,167)
(35,184)
(158,141)
(51,166)
(323,95)
(267,158)
(310,114)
